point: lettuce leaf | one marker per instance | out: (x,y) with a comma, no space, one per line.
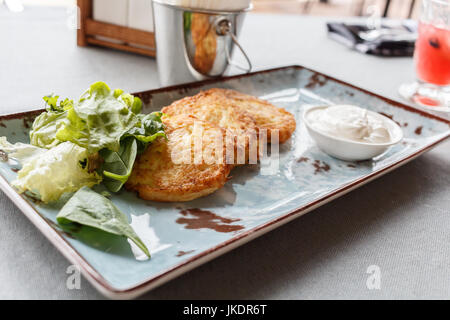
(50,174)
(96,121)
(19,151)
(99,119)
(103,121)
(46,125)
(51,102)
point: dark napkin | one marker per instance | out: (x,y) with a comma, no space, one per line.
(397,40)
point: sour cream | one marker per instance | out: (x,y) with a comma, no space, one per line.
(350,123)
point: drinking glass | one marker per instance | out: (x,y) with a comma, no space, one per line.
(432,58)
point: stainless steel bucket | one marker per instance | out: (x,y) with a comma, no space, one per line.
(195,44)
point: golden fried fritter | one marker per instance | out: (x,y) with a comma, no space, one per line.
(181,169)
(190,164)
(265,114)
(237,112)
(218,110)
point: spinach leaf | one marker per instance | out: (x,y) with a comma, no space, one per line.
(86,207)
(147,130)
(117,166)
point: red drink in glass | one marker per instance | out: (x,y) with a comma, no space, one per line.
(432,58)
(433,54)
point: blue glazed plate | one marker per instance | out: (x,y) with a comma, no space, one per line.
(182,236)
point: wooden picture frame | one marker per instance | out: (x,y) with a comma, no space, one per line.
(92,32)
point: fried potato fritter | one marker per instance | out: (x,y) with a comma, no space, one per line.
(213,108)
(219,111)
(225,122)
(172,170)
(265,114)
(235,111)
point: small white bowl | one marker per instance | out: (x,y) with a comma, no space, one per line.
(349,150)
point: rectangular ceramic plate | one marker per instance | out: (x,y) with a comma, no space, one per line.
(249,205)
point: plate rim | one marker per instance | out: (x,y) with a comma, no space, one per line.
(104,287)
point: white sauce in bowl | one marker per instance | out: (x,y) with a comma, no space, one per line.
(350,123)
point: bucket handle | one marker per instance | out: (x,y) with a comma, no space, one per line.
(223,28)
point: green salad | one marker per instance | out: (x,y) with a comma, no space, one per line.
(75,145)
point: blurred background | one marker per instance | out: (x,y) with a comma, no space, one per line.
(388,8)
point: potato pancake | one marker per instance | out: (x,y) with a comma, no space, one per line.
(265,114)
(235,111)
(220,111)
(189,164)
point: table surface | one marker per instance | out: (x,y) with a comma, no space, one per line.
(398,223)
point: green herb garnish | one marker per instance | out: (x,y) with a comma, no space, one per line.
(87,207)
